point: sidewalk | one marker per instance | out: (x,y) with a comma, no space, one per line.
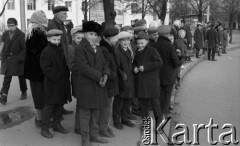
(26,134)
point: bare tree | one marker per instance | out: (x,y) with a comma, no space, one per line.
(180,9)
(87,6)
(109,12)
(4,6)
(199,6)
(159,7)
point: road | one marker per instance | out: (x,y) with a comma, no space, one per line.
(210,90)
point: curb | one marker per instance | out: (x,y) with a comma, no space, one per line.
(189,67)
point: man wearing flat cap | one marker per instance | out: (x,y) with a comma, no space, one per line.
(91,75)
(167,73)
(60,17)
(110,38)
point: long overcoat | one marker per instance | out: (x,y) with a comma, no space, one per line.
(167,73)
(198,38)
(56,75)
(13,53)
(34,47)
(124,64)
(112,83)
(212,38)
(90,67)
(147,83)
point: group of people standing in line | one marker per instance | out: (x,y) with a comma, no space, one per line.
(105,68)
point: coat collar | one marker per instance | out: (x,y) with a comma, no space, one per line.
(106,45)
(125,52)
(163,38)
(86,44)
(15,35)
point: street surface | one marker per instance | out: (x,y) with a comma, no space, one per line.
(210,90)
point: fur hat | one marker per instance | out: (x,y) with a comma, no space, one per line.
(59,9)
(91,26)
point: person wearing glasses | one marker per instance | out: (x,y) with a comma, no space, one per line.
(13,53)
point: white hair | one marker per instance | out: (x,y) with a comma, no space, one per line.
(177,23)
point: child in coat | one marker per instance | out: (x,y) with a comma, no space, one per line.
(56,83)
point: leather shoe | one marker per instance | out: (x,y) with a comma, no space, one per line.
(106,134)
(3,99)
(66,112)
(118,126)
(77,131)
(46,133)
(23,96)
(128,123)
(59,128)
(98,140)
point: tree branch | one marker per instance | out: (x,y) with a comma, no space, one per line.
(4,8)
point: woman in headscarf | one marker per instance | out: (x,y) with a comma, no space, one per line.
(36,41)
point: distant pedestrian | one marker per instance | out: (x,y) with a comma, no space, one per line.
(13,55)
(57,90)
(220,35)
(225,40)
(146,67)
(36,41)
(212,42)
(198,39)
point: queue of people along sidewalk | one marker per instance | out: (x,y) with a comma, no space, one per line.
(111,69)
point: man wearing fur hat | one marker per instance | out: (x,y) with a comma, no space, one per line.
(92,75)
(60,17)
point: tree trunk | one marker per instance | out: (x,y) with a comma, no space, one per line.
(200,17)
(230,27)
(85,11)
(163,11)
(109,12)
(143,13)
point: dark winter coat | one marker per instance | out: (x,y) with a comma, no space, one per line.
(34,47)
(212,38)
(57,88)
(124,63)
(57,24)
(198,38)
(112,83)
(13,53)
(167,73)
(220,37)
(147,83)
(90,68)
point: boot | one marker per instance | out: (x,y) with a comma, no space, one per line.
(23,96)
(59,128)
(86,141)
(3,99)
(46,133)
(38,123)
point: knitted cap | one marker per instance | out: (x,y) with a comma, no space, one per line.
(39,17)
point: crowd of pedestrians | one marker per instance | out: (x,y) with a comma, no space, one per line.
(127,70)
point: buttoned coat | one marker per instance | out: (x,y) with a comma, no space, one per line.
(124,64)
(112,83)
(90,66)
(57,88)
(167,73)
(147,83)
(212,38)
(198,38)
(13,53)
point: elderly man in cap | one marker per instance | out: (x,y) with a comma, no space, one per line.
(167,73)
(13,54)
(60,17)
(91,78)
(153,36)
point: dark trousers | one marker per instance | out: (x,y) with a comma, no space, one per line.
(155,103)
(53,111)
(135,105)
(121,109)
(104,115)
(77,116)
(197,53)
(89,123)
(211,53)
(7,81)
(166,91)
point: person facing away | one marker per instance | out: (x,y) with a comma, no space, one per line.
(212,42)
(57,90)
(13,50)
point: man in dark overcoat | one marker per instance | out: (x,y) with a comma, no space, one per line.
(212,42)
(122,101)
(110,38)
(91,76)
(60,17)
(198,39)
(57,89)
(167,73)
(13,55)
